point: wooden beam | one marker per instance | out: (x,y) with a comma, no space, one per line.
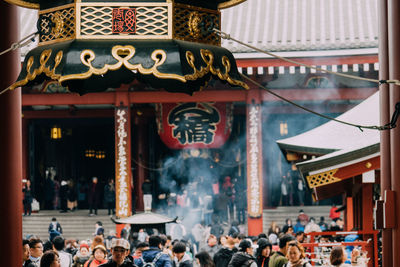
(62,114)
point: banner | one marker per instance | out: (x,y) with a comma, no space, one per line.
(194,125)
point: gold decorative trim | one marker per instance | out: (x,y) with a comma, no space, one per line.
(23,4)
(323,178)
(44,57)
(53,9)
(122,54)
(208,58)
(230,3)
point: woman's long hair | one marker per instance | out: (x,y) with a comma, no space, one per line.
(47,258)
(205,259)
(337,256)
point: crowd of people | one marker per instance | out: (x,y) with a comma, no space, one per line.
(200,246)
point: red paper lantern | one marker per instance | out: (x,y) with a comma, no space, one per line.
(194,125)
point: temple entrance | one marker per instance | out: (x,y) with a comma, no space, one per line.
(72,151)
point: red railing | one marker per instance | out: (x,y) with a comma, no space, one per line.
(369,244)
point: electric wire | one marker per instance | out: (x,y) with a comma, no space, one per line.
(360,127)
(228,37)
(21,43)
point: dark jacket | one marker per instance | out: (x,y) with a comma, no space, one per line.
(111,263)
(223,256)
(241,259)
(150,254)
(261,260)
(185,262)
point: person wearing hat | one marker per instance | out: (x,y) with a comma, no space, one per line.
(244,256)
(99,254)
(82,255)
(119,254)
(263,252)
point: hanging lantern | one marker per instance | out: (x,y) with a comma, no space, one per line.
(194,125)
(55,133)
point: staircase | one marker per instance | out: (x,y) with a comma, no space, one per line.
(280,214)
(75,225)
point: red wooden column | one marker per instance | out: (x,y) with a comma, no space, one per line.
(254,162)
(367,207)
(394,73)
(349,219)
(123,174)
(387,255)
(10,142)
(140,160)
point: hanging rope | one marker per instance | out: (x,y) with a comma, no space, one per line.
(388,126)
(21,43)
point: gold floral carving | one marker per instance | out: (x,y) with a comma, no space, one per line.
(123,54)
(43,68)
(193,23)
(208,58)
(58,24)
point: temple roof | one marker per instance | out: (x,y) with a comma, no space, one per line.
(302,25)
(334,136)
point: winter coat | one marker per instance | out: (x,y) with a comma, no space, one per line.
(223,256)
(126,263)
(242,259)
(185,262)
(277,260)
(148,256)
(211,250)
(80,260)
(94,263)
(109,193)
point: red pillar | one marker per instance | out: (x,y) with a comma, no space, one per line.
(123,173)
(394,73)
(140,160)
(384,119)
(254,162)
(10,143)
(349,220)
(367,207)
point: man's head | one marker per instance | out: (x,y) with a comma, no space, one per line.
(58,243)
(99,223)
(179,250)
(119,250)
(94,180)
(212,240)
(25,250)
(36,247)
(283,241)
(246,246)
(54,219)
(155,241)
(140,248)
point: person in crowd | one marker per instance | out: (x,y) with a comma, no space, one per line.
(25,253)
(72,196)
(322,224)
(216,228)
(119,254)
(303,217)
(244,257)
(241,205)
(93,196)
(126,231)
(108,240)
(333,213)
(99,229)
(224,254)
(154,254)
(200,232)
(97,240)
(139,250)
(312,226)
(71,246)
(234,228)
(82,255)
(284,191)
(300,237)
(109,196)
(229,190)
(298,227)
(296,255)
(99,255)
(28,198)
(278,259)
(49,192)
(58,246)
(55,225)
(36,251)
(300,191)
(181,258)
(289,230)
(288,223)
(212,245)
(147,189)
(338,257)
(203,259)
(50,259)
(208,209)
(63,194)
(263,252)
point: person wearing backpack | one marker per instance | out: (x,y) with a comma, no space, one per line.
(154,257)
(244,257)
(119,254)
(181,258)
